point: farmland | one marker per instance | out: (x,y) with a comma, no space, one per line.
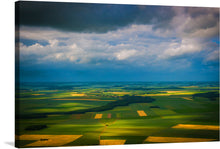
(104,113)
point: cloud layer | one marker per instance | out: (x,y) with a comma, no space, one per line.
(119,36)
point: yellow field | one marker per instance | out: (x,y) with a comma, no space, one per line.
(76,94)
(189,126)
(112,142)
(156,95)
(184,93)
(175,139)
(98,116)
(174,91)
(189,86)
(168,93)
(85,99)
(37,94)
(179,92)
(187,98)
(33,137)
(49,140)
(141,113)
(120,93)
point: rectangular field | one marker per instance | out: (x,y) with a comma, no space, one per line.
(141,113)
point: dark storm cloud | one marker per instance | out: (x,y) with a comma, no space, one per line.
(89,17)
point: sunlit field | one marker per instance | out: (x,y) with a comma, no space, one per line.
(75,114)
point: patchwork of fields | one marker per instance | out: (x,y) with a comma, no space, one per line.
(75,114)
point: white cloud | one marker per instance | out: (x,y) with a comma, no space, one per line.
(186,46)
(213,56)
(195,22)
(194,28)
(125,54)
(120,45)
(134,44)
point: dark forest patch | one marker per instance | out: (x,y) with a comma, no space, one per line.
(154,107)
(35,127)
(210,95)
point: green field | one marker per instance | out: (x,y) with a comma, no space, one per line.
(45,111)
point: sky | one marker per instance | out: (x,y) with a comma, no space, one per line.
(78,42)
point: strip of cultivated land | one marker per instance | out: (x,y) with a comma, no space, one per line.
(190,126)
(175,139)
(48,140)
